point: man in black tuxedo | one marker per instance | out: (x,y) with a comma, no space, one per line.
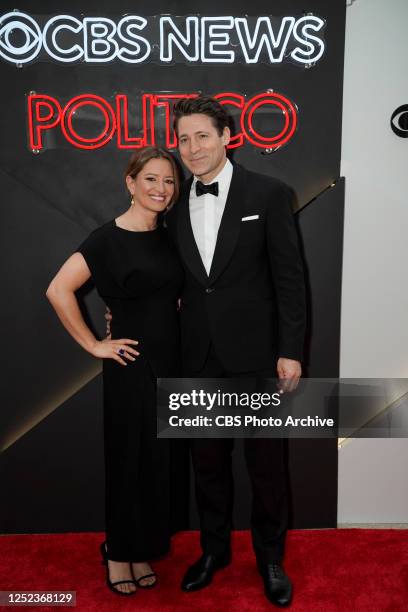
(242,314)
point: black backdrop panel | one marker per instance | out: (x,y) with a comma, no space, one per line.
(52,200)
(313,463)
(52,477)
(321,229)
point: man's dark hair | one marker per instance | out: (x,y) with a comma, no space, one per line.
(203,105)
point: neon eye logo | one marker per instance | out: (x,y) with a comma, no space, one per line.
(20,37)
(399,121)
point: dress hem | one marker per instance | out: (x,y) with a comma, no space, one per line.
(139,558)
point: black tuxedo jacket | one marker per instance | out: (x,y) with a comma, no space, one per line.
(252,304)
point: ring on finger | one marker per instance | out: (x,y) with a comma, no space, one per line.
(121,351)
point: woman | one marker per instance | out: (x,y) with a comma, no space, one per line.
(137,273)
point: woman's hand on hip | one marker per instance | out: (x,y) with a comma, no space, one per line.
(119,350)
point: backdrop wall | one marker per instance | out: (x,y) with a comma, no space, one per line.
(51,421)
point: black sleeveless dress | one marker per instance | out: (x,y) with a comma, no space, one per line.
(139,276)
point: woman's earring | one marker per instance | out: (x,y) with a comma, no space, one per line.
(131,200)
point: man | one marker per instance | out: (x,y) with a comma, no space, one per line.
(242,314)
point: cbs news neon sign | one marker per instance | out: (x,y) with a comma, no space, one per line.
(163,39)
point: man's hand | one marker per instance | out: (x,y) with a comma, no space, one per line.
(108,319)
(289,372)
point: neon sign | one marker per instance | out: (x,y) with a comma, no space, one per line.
(45,113)
(163,39)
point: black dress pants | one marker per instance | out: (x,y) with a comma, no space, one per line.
(214,484)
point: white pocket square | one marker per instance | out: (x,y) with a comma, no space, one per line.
(250,218)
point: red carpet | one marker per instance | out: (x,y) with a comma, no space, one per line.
(332,570)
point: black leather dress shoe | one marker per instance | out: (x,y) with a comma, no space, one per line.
(278,587)
(200,574)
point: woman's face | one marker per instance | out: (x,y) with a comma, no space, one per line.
(153,187)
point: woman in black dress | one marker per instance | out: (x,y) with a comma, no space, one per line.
(137,273)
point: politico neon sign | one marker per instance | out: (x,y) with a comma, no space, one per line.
(45,114)
(164,39)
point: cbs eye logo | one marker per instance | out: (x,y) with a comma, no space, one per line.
(20,37)
(399,121)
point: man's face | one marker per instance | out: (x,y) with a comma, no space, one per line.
(201,147)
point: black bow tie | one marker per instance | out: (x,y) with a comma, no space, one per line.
(201,188)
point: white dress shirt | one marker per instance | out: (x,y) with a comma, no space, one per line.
(206,213)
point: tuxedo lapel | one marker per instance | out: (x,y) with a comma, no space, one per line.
(186,241)
(230,223)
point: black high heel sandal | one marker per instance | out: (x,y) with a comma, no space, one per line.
(145,586)
(111,585)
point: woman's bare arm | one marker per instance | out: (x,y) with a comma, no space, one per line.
(61,293)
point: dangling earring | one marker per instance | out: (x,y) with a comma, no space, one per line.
(131,200)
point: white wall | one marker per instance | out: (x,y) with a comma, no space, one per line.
(374,338)
(373,482)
